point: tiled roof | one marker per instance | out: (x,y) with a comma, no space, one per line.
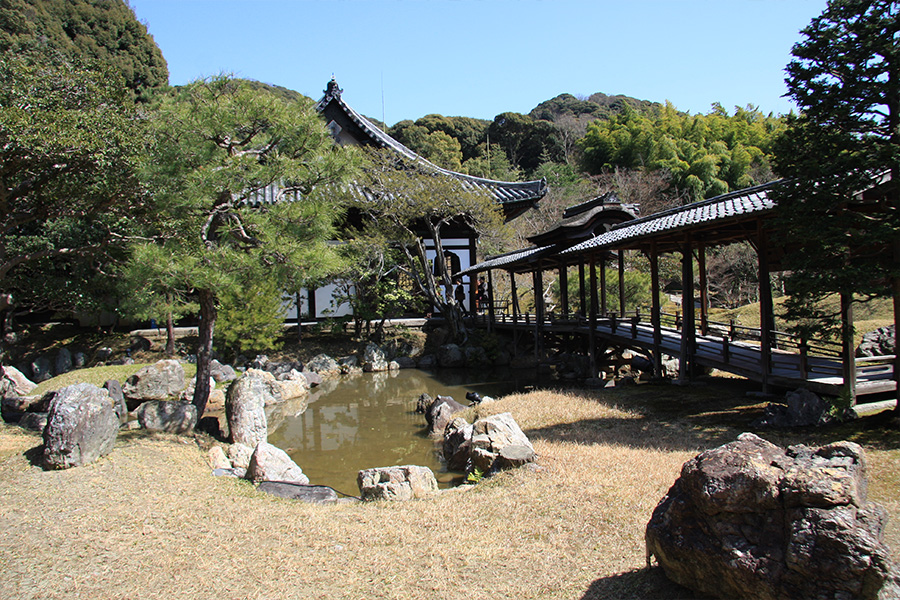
(719,209)
(503,192)
(503,260)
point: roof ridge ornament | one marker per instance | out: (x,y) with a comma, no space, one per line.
(332,90)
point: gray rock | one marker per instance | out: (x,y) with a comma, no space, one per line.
(405,362)
(396,483)
(171,416)
(78,360)
(451,356)
(374,359)
(269,463)
(35,421)
(423,402)
(324,365)
(63,362)
(159,381)
(40,369)
(428,361)
(245,405)
(880,342)
(456,445)
(21,385)
(314,494)
(751,520)
(803,409)
(114,389)
(490,436)
(103,353)
(441,412)
(239,455)
(81,427)
(220,372)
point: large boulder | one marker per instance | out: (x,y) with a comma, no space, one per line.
(221,373)
(81,427)
(159,381)
(396,483)
(63,362)
(170,416)
(270,463)
(41,369)
(751,520)
(245,406)
(490,436)
(440,413)
(802,409)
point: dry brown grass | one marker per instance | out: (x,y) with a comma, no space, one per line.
(149,521)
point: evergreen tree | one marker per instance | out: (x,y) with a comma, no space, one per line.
(842,218)
(218,143)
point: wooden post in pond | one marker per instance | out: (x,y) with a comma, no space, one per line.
(655,311)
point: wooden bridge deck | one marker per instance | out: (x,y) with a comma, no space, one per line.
(790,370)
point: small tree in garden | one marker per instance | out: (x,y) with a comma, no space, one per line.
(407,203)
(217,143)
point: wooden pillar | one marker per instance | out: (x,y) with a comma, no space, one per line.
(603,310)
(655,311)
(311,302)
(490,299)
(766,310)
(592,320)
(538,310)
(582,297)
(621,283)
(688,327)
(848,350)
(704,289)
(515,296)
(564,290)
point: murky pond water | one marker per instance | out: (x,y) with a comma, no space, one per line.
(369,420)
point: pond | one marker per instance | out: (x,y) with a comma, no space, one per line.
(368,420)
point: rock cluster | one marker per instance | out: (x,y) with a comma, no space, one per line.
(752,520)
(396,483)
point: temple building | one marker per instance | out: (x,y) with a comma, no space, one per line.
(349,128)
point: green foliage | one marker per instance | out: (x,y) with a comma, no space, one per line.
(526,141)
(845,77)
(251,316)
(70,151)
(217,144)
(706,155)
(596,106)
(101,31)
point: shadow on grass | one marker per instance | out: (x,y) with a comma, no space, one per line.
(644,584)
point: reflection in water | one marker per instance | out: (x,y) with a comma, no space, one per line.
(369,420)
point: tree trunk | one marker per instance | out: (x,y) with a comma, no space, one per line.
(170,330)
(208,314)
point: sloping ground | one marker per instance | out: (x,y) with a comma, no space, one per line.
(149,521)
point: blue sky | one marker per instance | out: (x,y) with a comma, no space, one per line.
(403,59)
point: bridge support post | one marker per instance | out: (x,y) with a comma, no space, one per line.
(515,297)
(538,310)
(564,290)
(582,297)
(704,290)
(621,265)
(603,307)
(490,298)
(848,352)
(655,311)
(766,310)
(688,329)
(592,321)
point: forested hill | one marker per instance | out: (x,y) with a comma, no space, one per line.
(596,106)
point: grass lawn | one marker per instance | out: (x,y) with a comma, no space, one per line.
(149,521)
